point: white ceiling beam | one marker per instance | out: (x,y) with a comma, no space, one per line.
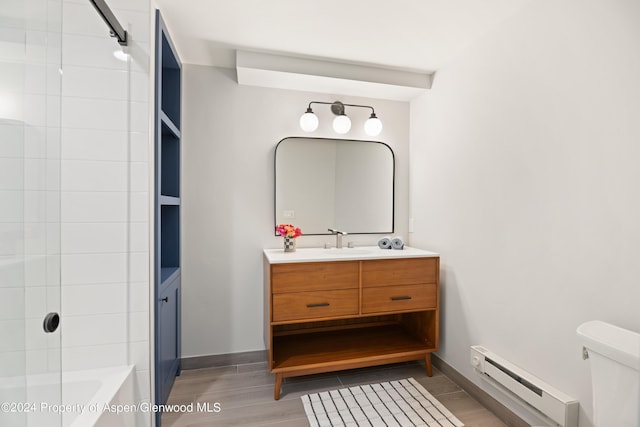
(324,76)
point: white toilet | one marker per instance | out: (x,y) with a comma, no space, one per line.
(614,357)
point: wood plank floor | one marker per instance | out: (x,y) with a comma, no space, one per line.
(244,395)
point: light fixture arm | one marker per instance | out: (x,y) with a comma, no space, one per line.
(337,107)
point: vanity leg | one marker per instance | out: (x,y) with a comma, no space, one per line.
(427,361)
(276,390)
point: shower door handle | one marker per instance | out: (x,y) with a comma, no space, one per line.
(51,322)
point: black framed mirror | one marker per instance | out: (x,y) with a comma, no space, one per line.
(344,184)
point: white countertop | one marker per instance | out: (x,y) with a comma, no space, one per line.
(279,256)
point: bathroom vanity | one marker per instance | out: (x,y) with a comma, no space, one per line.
(334,309)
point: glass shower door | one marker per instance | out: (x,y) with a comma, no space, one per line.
(30,358)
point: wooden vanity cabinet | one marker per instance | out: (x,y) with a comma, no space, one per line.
(333,315)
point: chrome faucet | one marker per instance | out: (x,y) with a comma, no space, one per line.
(339,235)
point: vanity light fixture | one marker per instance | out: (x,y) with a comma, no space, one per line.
(342,123)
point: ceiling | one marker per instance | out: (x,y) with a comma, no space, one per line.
(412,35)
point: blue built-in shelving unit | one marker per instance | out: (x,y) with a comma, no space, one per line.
(167,284)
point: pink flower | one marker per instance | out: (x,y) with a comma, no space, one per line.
(288,230)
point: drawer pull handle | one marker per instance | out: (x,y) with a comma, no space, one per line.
(400,298)
(322,304)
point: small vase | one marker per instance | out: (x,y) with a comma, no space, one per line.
(289,244)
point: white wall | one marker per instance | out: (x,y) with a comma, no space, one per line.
(229,137)
(524,176)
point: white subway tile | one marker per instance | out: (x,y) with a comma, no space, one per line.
(35,142)
(139,206)
(35,238)
(36,338)
(35,78)
(11,173)
(139,87)
(94,299)
(37,361)
(139,237)
(35,302)
(12,206)
(11,135)
(139,355)
(138,25)
(140,116)
(13,50)
(52,175)
(53,143)
(12,107)
(82,357)
(94,330)
(88,113)
(88,175)
(12,332)
(95,237)
(52,204)
(35,205)
(94,207)
(54,79)
(82,269)
(87,82)
(13,77)
(34,111)
(53,110)
(83,19)
(90,51)
(43,361)
(54,16)
(139,297)
(12,303)
(12,363)
(11,244)
(94,144)
(121,6)
(35,270)
(35,174)
(139,147)
(35,14)
(139,326)
(140,57)
(53,243)
(12,272)
(139,180)
(54,271)
(139,267)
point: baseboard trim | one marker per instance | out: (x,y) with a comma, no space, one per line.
(216,360)
(499,410)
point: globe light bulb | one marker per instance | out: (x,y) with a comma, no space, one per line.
(309,121)
(342,124)
(373,126)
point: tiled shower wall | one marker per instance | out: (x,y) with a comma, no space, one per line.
(29,185)
(105,190)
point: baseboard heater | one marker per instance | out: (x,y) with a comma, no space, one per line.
(543,398)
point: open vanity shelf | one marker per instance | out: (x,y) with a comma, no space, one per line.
(325,315)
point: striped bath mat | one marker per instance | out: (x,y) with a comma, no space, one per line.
(395,403)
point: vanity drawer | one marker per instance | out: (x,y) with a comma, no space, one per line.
(399,298)
(311,305)
(392,272)
(306,276)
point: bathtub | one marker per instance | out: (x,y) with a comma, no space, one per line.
(79,401)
